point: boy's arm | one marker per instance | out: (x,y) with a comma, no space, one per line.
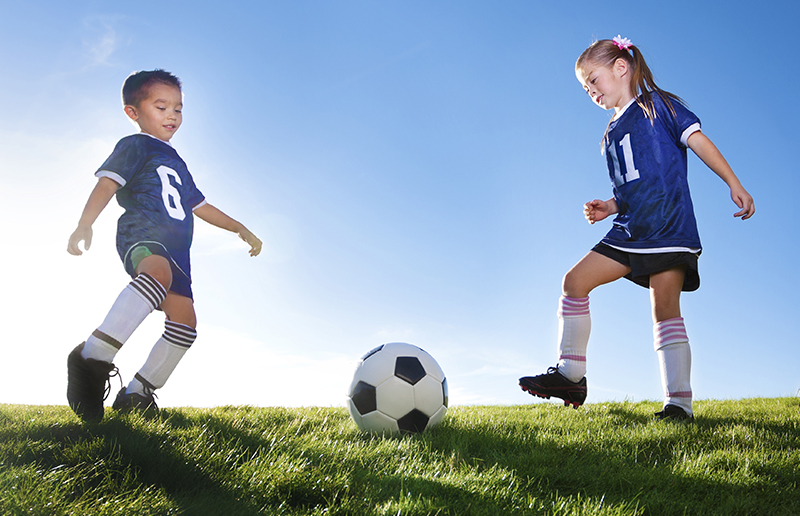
(216,217)
(103,191)
(713,158)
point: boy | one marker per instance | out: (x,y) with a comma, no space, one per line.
(154,235)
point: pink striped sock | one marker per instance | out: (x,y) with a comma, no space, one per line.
(574,327)
(671,343)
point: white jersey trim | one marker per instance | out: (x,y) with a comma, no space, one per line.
(112,176)
(688,132)
(655,250)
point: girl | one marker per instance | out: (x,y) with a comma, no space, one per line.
(654,240)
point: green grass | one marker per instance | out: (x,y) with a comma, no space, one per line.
(740,457)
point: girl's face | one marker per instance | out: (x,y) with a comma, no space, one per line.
(609,86)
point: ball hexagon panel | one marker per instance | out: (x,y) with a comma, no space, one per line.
(354,414)
(375,368)
(437,418)
(395,397)
(428,395)
(430,365)
(379,422)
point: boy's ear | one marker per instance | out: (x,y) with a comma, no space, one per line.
(131,112)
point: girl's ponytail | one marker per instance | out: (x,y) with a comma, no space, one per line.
(605,52)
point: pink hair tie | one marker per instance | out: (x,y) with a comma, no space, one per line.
(622,43)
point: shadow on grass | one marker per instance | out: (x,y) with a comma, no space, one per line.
(207,462)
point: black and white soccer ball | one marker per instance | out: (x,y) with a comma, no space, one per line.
(397,387)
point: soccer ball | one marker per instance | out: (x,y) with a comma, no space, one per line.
(397,387)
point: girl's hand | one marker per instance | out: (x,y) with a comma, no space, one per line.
(82,233)
(597,210)
(250,238)
(743,200)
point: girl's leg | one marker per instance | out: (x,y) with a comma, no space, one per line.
(567,381)
(574,320)
(670,339)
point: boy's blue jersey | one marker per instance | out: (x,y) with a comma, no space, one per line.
(647,164)
(158,195)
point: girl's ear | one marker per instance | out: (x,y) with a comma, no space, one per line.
(131,112)
(621,67)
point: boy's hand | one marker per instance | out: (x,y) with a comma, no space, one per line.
(252,240)
(743,200)
(83,233)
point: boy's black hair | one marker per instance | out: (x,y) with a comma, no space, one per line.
(134,89)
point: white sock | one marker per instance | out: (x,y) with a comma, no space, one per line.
(136,301)
(675,359)
(164,357)
(574,327)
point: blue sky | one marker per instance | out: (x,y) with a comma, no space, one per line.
(416,171)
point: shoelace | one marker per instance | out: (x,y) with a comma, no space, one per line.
(107,389)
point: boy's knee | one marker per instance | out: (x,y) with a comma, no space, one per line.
(158,268)
(180,309)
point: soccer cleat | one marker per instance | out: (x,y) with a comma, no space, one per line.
(88,384)
(135,401)
(674,413)
(553,383)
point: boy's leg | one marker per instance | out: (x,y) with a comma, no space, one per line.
(89,365)
(671,342)
(178,337)
(136,301)
(566,381)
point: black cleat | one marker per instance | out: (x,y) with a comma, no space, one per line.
(88,384)
(673,413)
(134,401)
(553,383)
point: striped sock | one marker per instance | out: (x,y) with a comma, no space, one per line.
(136,301)
(675,360)
(574,327)
(164,357)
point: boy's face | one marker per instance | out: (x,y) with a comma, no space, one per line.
(159,114)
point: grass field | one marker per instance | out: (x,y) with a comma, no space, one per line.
(739,458)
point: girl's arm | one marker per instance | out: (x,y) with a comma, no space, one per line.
(216,217)
(713,158)
(597,210)
(103,191)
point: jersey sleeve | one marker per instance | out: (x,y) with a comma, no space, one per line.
(128,157)
(682,124)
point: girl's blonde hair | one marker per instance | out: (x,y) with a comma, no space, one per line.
(605,52)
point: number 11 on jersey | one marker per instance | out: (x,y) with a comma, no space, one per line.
(631,174)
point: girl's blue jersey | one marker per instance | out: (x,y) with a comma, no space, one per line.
(158,195)
(648,171)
